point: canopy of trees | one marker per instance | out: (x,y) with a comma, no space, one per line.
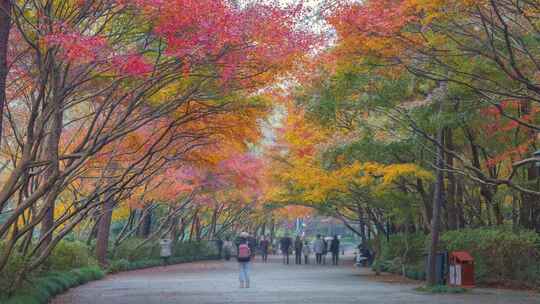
(201,118)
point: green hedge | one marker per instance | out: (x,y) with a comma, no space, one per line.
(40,290)
(407,248)
(56,274)
(125,265)
(131,251)
(501,255)
(67,255)
(129,256)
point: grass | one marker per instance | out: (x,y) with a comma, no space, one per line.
(441,289)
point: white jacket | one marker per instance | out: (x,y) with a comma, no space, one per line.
(318,246)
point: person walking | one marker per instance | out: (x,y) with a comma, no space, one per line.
(244,259)
(166,250)
(298,244)
(325,250)
(334,249)
(252,242)
(285,245)
(318,248)
(306,250)
(219,244)
(264,245)
(228,249)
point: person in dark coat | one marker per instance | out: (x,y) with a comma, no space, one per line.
(366,253)
(285,245)
(219,244)
(298,244)
(334,249)
(252,243)
(325,250)
(264,245)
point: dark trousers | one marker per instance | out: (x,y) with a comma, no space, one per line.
(298,258)
(265,256)
(165,260)
(318,257)
(286,257)
(306,259)
(335,258)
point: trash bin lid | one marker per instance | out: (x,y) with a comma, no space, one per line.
(462,256)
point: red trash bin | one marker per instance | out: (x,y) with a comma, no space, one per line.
(461,272)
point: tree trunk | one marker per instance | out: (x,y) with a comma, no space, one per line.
(451,211)
(515,214)
(213,224)
(146,227)
(438,193)
(272,230)
(193,224)
(104,228)
(175,231)
(51,153)
(426,210)
(5,27)
(93,232)
(460,216)
(436,218)
(182,233)
(362,227)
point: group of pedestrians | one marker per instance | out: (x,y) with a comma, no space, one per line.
(246,247)
(320,247)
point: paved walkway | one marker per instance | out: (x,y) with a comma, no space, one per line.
(216,283)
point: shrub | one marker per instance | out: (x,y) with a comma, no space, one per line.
(500,254)
(416,272)
(441,289)
(131,251)
(9,274)
(195,250)
(118,266)
(70,255)
(408,248)
(41,290)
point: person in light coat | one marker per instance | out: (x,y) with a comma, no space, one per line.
(306,251)
(318,248)
(166,250)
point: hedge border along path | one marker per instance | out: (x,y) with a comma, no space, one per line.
(52,284)
(42,289)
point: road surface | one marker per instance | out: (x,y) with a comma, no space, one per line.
(217,283)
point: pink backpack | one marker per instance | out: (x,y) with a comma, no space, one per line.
(244,251)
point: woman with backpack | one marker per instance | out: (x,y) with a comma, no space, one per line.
(244,258)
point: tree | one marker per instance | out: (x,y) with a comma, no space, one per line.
(5,28)
(89,75)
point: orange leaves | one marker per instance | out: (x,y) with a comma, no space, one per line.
(293,212)
(510,155)
(389,29)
